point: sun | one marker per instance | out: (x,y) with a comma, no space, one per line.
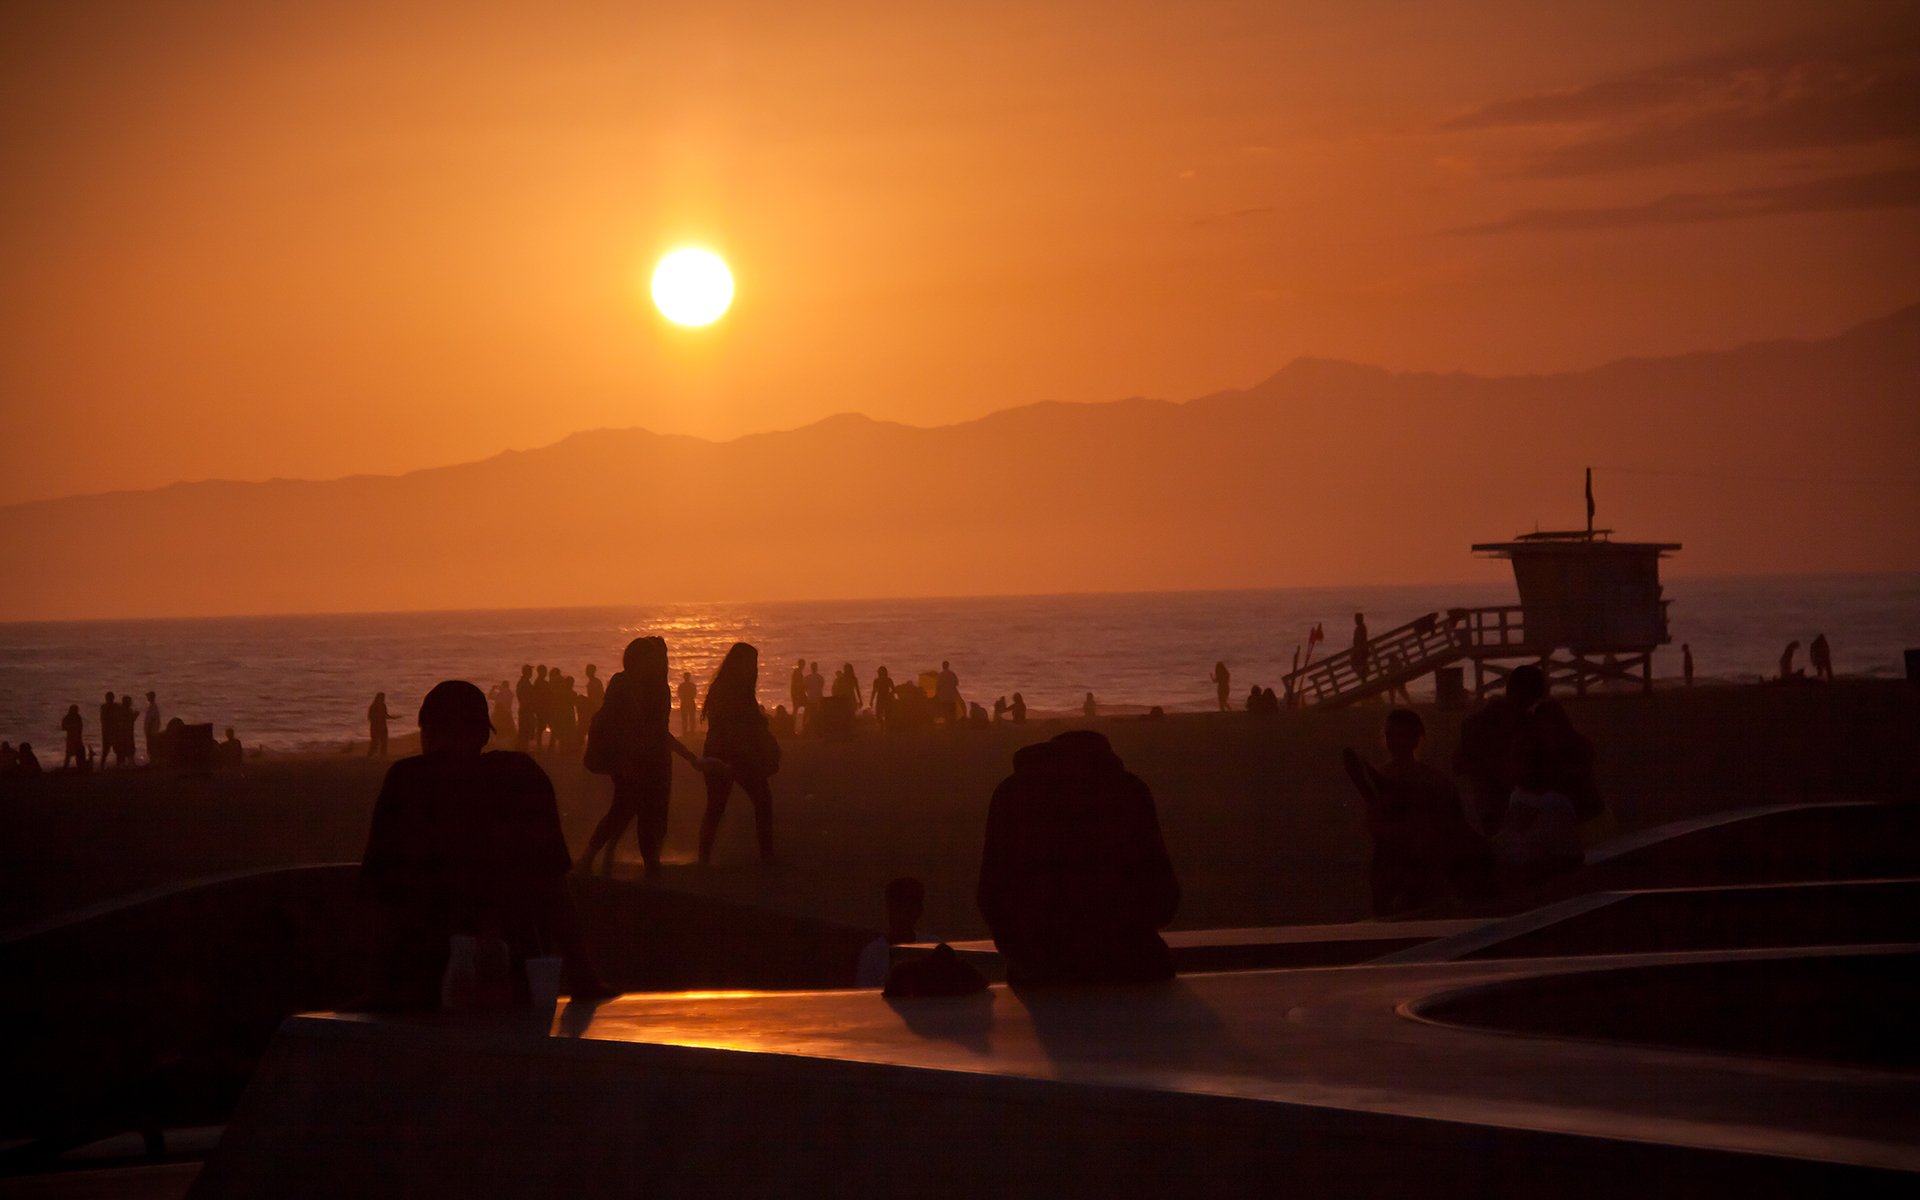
(692,287)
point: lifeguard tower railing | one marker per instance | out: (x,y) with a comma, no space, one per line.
(1484,635)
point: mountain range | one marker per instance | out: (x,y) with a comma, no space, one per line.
(1780,456)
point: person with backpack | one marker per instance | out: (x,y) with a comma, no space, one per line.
(631,739)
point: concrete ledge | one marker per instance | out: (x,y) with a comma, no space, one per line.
(1211,1086)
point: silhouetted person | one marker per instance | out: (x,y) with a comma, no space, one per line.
(562,709)
(738,736)
(1786,662)
(596,695)
(797,693)
(637,724)
(377,718)
(780,722)
(1223,686)
(500,696)
(542,717)
(232,753)
(881,695)
(1686,664)
(1362,650)
(1017,710)
(523,694)
(25,761)
(123,729)
(1820,657)
(150,723)
(75,727)
(109,726)
(1088,708)
(1424,851)
(906,900)
(1559,758)
(1272,703)
(816,700)
(1075,882)
(466,841)
(1491,741)
(999,709)
(946,694)
(846,686)
(689,703)
(1253,700)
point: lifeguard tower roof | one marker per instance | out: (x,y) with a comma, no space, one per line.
(1576,540)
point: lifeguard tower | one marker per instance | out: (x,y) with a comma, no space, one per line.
(1591,610)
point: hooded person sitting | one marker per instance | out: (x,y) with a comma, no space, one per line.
(467,842)
(1075,882)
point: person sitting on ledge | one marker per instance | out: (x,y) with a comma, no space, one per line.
(1075,882)
(467,841)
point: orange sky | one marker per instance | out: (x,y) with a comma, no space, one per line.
(245,240)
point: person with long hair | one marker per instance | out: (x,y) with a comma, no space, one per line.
(635,722)
(738,736)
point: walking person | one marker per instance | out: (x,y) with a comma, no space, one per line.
(632,741)
(377,718)
(738,736)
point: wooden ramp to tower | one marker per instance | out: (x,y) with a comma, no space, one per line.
(1591,610)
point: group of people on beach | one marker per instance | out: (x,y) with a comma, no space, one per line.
(1532,801)
(466,843)
(118,723)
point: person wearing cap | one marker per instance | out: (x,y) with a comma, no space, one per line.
(466,841)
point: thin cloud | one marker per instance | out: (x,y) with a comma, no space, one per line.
(1881,189)
(1238,214)
(1785,97)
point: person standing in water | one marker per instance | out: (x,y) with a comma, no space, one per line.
(1222,686)
(637,719)
(738,736)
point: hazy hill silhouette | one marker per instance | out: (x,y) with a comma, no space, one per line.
(1779,456)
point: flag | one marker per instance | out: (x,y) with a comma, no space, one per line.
(1316,634)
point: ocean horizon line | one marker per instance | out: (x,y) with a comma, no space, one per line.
(955,597)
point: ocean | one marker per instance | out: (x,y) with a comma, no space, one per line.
(304,682)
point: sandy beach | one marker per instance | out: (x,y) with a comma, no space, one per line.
(1258,817)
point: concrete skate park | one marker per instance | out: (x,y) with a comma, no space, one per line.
(1715,1005)
(1690,1039)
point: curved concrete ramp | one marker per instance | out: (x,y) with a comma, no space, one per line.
(1304,1082)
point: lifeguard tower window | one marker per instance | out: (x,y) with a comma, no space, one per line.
(1586,594)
